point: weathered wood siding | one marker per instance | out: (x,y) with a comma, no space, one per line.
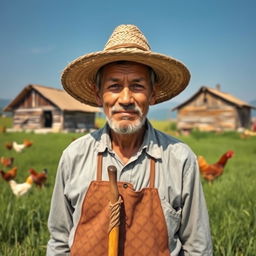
(208,113)
(33,118)
(79,120)
(36,112)
(27,119)
(33,100)
(244,116)
(29,113)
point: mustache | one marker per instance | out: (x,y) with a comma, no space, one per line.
(129,107)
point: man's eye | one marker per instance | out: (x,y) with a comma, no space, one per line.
(137,87)
(113,86)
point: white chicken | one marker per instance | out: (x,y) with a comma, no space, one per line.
(20,189)
(18,147)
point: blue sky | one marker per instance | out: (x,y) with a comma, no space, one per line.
(216,39)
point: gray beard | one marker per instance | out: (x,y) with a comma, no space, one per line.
(127,129)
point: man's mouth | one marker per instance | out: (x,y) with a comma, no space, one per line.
(125,112)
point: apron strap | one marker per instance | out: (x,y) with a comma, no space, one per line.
(152,173)
(99,167)
(152,170)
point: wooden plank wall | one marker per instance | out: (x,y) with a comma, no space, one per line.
(79,120)
(34,100)
(33,118)
(208,113)
(30,115)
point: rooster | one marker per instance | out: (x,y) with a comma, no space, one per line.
(213,171)
(39,178)
(9,175)
(6,161)
(20,189)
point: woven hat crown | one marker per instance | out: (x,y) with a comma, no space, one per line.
(127,36)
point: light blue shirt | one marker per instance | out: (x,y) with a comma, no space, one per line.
(177,180)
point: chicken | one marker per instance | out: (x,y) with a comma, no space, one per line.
(27,143)
(6,161)
(38,178)
(249,133)
(9,175)
(212,171)
(20,189)
(18,147)
(8,145)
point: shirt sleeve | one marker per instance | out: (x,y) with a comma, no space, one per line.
(194,230)
(60,216)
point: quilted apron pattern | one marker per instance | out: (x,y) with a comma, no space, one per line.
(143,230)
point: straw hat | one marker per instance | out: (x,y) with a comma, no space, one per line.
(126,43)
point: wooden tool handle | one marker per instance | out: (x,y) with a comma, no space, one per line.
(112,174)
(113,196)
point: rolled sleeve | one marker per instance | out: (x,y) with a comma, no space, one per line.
(60,216)
(194,230)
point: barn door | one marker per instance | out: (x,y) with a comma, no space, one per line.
(47,118)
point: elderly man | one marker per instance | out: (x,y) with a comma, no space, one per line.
(163,206)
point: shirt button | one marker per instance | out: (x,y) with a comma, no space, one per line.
(125,185)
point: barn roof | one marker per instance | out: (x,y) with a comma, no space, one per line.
(58,97)
(215,92)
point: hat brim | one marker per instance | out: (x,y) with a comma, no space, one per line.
(79,77)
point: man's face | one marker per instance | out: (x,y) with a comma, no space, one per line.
(125,94)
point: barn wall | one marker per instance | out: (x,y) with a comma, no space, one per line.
(79,120)
(33,118)
(244,117)
(36,112)
(30,113)
(208,113)
(34,100)
(27,119)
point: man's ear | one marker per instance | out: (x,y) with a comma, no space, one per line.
(98,96)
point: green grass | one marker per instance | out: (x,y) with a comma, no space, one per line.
(5,122)
(23,225)
(231,199)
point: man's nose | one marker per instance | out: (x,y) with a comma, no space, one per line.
(125,96)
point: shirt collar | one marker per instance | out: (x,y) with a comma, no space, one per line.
(105,141)
(150,143)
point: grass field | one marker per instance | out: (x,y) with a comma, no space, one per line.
(231,199)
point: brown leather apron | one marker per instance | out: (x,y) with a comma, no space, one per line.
(143,228)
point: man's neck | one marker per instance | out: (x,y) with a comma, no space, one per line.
(127,145)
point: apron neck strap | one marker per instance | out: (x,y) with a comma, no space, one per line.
(99,167)
(152,170)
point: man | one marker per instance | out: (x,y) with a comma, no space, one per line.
(163,206)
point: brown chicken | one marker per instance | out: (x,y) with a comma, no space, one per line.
(9,175)
(39,179)
(8,145)
(212,171)
(27,143)
(6,161)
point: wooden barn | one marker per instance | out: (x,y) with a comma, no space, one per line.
(40,107)
(213,110)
